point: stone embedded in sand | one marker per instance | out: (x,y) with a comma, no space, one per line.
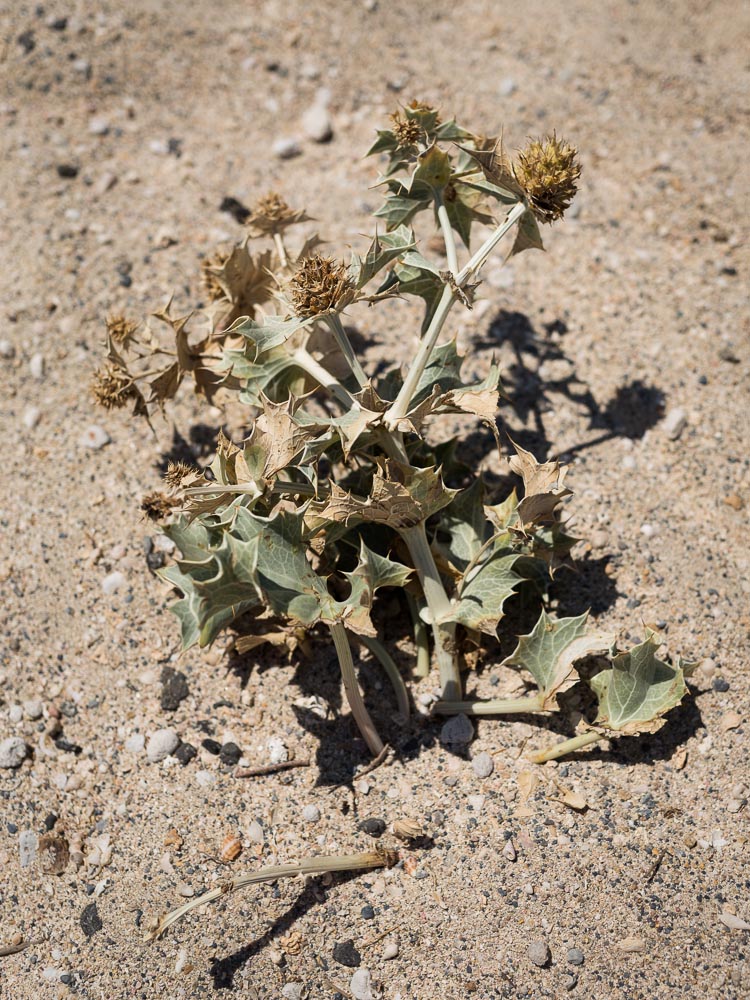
(161,744)
(13,752)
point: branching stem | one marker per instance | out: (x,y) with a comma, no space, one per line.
(308,364)
(447,229)
(351,687)
(342,339)
(497,706)
(378,650)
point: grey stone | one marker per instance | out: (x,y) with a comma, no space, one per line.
(161,744)
(483,765)
(90,920)
(27,845)
(292,991)
(13,752)
(174,689)
(539,953)
(346,954)
(33,708)
(457,732)
(135,743)
(575,956)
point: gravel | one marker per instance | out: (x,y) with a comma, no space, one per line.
(360,985)
(174,689)
(161,744)
(675,423)
(286,148)
(13,752)
(94,438)
(113,582)
(316,123)
(90,920)
(457,733)
(346,954)
(575,956)
(311,814)
(483,765)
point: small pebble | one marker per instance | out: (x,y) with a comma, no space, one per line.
(632,945)
(90,920)
(94,438)
(230,754)
(292,991)
(346,954)
(37,366)
(277,751)
(181,961)
(113,582)
(361,985)
(509,851)
(720,684)
(649,530)
(457,733)
(185,890)
(539,953)
(367,913)
(204,778)
(373,827)
(483,765)
(575,956)
(286,149)
(7,350)
(135,743)
(13,751)
(390,949)
(174,689)
(212,746)
(33,708)
(27,847)
(15,713)
(255,832)
(570,981)
(98,126)
(31,417)
(311,814)
(316,123)
(67,171)
(161,744)
(675,423)
(185,753)
(507,87)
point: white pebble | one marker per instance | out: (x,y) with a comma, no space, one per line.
(135,743)
(483,765)
(161,744)
(113,582)
(311,814)
(509,851)
(675,423)
(33,708)
(277,751)
(361,985)
(36,366)
(13,752)
(164,544)
(255,832)
(94,437)
(649,530)
(31,417)
(204,778)
(27,845)
(7,350)
(15,713)
(507,87)
(185,890)
(98,126)
(182,960)
(51,975)
(285,149)
(292,991)
(391,949)
(316,123)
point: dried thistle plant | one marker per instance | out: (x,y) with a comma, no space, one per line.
(339,493)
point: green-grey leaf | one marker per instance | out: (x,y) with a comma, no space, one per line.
(528,236)
(271,331)
(549,651)
(483,592)
(383,250)
(465,524)
(638,690)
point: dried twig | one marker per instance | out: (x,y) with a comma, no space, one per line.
(256,772)
(380,858)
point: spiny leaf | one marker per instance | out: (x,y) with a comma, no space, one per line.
(497,168)
(433,169)
(638,690)
(528,236)
(543,485)
(484,589)
(383,250)
(270,332)
(465,524)
(549,651)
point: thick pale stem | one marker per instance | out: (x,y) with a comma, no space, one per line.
(281,250)
(497,706)
(342,339)
(568,746)
(479,258)
(378,650)
(310,866)
(447,229)
(351,687)
(400,406)
(439,606)
(421,641)
(307,363)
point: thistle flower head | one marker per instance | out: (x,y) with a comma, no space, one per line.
(177,473)
(548,171)
(211,283)
(120,330)
(320,285)
(407,131)
(157,506)
(271,215)
(112,387)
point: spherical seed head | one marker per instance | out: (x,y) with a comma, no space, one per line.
(112,387)
(176,473)
(157,506)
(120,329)
(320,285)
(548,171)
(271,214)
(408,131)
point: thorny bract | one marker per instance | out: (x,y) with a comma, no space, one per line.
(338,492)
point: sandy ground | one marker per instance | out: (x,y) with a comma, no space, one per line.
(638,309)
